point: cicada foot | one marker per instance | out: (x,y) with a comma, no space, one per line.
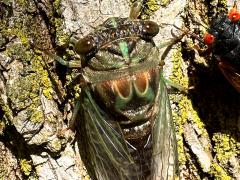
(69,64)
(68,134)
(203,52)
(174,40)
(174,88)
(208,40)
(170,43)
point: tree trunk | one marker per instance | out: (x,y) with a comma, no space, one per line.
(37,96)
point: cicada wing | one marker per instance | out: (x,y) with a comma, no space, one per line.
(106,153)
(164,158)
(231,74)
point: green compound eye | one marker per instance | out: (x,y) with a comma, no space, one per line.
(85,45)
(150,28)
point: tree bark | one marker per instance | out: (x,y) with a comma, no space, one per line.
(37,94)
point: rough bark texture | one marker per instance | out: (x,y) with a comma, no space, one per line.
(37,97)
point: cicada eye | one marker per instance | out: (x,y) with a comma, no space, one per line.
(233,14)
(85,45)
(209,39)
(150,28)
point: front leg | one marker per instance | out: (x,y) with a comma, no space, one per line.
(136,9)
(69,64)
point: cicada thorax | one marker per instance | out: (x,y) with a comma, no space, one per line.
(123,74)
(129,97)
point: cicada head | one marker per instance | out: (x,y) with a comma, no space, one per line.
(224,38)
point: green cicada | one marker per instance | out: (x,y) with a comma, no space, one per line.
(123,118)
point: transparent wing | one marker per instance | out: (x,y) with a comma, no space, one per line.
(231,74)
(164,159)
(107,155)
(103,147)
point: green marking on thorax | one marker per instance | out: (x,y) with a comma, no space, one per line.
(122,45)
(114,22)
(124,49)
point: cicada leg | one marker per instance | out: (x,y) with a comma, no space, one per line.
(176,86)
(168,45)
(136,9)
(68,132)
(69,64)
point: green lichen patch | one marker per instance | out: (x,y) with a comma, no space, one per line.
(164,2)
(20,33)
(178,75)
(42,74)
(30,80)
(2,127)
(179,78)
(62,38)
(26,166)
(152,5)
(6,115)
(225,147)
(36,116)
(185,113)
(219,172)
(56,6)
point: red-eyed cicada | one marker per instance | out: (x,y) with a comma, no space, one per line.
(223,38)
(123,117)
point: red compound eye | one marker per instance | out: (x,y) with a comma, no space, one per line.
(233,14)
(209,39)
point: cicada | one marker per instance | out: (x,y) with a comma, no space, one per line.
(123,118)
(223,38)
